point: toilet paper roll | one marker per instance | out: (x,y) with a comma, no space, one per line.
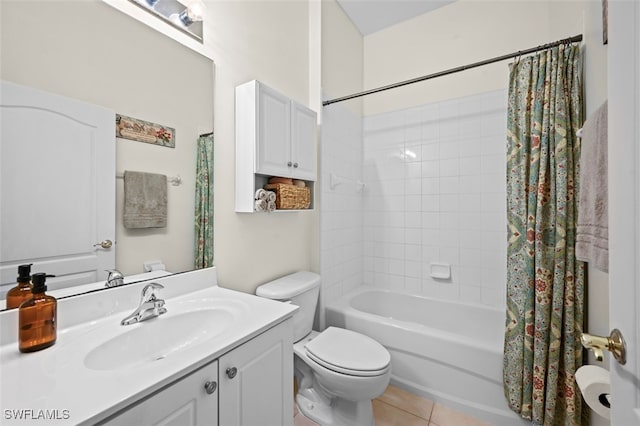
(595,384)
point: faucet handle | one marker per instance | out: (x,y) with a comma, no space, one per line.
(115,278)
(149,292)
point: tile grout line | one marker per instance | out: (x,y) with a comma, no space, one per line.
(409,412)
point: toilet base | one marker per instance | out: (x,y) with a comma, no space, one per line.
(336,412)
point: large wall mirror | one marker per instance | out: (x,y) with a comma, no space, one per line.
(91,52)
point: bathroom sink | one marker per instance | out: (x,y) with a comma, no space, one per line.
(158,338)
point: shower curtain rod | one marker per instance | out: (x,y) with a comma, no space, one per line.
(569,40)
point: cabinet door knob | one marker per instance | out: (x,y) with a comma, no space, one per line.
(210,387)
(295,165)
(231,372)
(288,163)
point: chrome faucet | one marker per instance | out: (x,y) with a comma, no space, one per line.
(114,279)
(150,306)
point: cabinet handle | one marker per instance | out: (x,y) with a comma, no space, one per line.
(295,165)
(210,387)
(231,372)
(288,163)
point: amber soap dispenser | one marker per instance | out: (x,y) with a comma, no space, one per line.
(37,317)
(22,291)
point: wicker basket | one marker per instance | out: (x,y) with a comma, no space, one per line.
(290,197)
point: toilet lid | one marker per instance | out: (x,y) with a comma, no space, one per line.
(348,352)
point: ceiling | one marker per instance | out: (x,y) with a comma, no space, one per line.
(370,16)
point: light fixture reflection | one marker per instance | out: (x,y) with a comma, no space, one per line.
(185,15)
(193,13)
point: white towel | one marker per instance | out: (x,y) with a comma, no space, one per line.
(145,200)
(592,237)
(271,196)
(261,206)
(261,194)
(271,206)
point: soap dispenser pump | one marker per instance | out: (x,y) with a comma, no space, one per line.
(22,291)
(37,317)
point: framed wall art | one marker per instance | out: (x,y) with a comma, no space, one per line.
(145,131)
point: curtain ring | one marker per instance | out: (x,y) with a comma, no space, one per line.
(518,57)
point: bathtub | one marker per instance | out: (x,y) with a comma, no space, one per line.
(448,352)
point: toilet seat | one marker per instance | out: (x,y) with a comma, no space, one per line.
(347,352)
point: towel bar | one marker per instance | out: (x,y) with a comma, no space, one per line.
(173,180)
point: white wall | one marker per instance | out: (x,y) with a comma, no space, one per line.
(90,51)
(342,56)
(464,32)
(268,41)
(340,154)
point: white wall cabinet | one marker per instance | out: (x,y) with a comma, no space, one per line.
(251,385)
(275,136)
(191,401)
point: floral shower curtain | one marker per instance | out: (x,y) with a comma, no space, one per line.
(545,282)
(204,203)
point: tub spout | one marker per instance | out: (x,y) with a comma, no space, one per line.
(598,344)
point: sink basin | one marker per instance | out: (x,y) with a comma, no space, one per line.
(158,338)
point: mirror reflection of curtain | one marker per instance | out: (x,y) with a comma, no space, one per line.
(204,203)
(545,282)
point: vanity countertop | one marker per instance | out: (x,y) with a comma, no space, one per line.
(60,383)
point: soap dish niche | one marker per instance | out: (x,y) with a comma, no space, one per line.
(440,271)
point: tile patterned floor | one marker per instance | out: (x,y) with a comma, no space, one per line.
(397,407)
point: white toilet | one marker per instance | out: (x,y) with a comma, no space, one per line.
(338,371)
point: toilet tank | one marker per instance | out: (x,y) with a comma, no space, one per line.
(301,289)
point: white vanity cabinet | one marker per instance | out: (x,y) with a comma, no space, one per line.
(191,401)
(256,380)
(251,385)
(275,136)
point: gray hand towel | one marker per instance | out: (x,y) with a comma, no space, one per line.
(145,200)
(592,236)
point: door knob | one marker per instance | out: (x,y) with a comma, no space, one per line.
(210,387)
(105,244)
(614,344)
(295,165)
(231,372)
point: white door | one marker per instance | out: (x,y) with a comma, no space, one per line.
(303,142)
(624,204)
(256,380)
(57,187)
(191,401)
(274,133)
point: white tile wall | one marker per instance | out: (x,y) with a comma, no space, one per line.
(341,219)
(435,192)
